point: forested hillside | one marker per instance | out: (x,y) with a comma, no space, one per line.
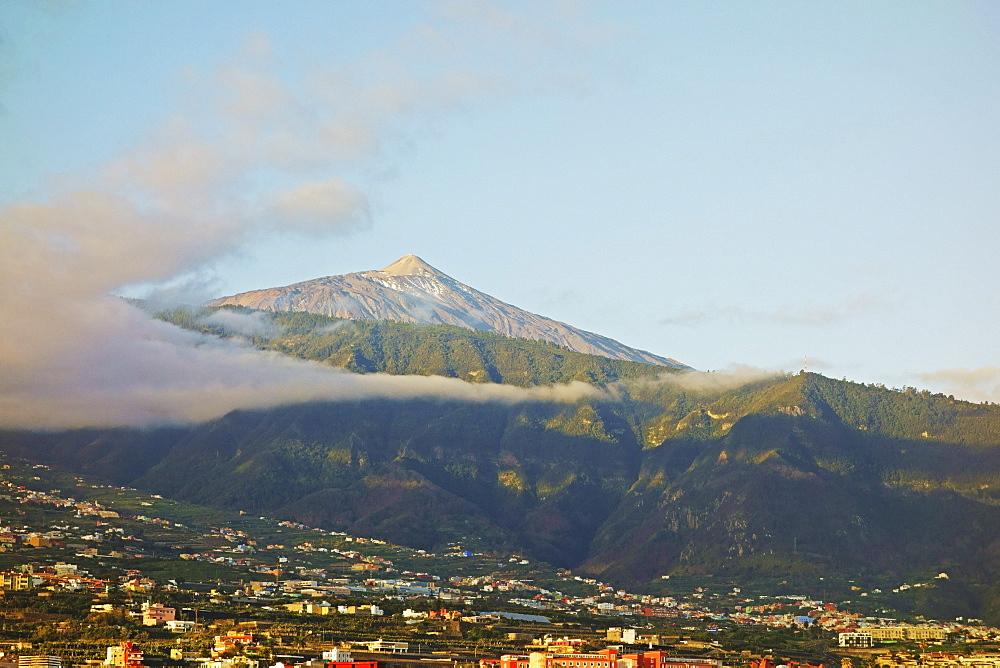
(379,346)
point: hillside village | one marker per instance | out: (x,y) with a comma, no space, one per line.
(97,564)
(226,443)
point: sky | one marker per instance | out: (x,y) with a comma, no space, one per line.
(731,184)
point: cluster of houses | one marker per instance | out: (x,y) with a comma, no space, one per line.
(22,494)
(938,660)
(324,608)
(855,631)
(61,576)
(376,576)
(235,649)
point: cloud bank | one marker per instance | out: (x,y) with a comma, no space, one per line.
(255,156)
(982,384)
(716,381)
(130,370)
(242,324)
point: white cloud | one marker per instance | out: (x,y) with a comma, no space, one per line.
(143,372)
(254,154)
(718,381)
(982,384)
(244,324)
(322,207)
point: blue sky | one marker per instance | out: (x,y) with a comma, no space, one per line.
(731,183)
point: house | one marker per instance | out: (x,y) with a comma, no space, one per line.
(125,655)
(179,626)
(337,655)
(155,615)
(387,646)
(233,643)
(322,608)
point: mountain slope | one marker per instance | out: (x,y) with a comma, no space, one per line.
(790,477)
(369,346)
(818,476)
(410,290)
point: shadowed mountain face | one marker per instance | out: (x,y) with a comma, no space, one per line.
(410,290)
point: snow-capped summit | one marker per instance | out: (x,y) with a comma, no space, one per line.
(410,290)
(410,265)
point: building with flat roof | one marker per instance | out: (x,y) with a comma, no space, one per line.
(659,659)
(15,581)
(155,615)
(40,661)
(855,640)
(606,658)
(387,646)
(900,633)
(124,655)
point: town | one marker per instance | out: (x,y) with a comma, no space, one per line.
(98,575)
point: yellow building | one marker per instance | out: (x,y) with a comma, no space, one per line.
(15,581)
(900,633)
(925,633)
(43,661)
(886,633)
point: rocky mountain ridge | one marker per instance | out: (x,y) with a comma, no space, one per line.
(412,291)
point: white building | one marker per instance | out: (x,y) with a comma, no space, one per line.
(387,646)
(179,626)
(856,640)
(337,655)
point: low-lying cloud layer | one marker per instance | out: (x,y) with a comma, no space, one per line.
(242,324)
(127,369)
(719,381)
(714,381)
(260,157)
(982,384)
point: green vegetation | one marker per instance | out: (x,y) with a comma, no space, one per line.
(368,346)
